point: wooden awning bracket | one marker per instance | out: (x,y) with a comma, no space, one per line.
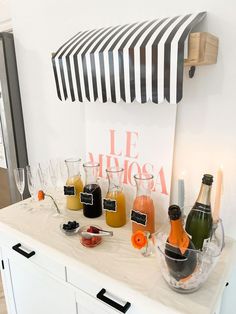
(202,49)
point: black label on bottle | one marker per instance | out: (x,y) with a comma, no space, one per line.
(202,207)
(69,190)
(86,198)
(139,218)
(109,205)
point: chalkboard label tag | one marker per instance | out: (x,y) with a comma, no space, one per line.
(109,205)
(139,218)
(69,190)
(86,198)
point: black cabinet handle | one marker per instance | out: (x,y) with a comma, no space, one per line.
(19,250)
(117,306)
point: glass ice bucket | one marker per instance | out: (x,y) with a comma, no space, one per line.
(187,274)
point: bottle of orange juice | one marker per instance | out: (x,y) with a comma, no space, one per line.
(143,212)
(74,184)
(114,203)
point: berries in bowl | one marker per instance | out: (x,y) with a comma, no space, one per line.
(90,236)
(70,227)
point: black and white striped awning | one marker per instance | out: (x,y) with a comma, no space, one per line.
(140,61)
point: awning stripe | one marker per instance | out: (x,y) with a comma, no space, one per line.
(128,58)
(101,54)
(94,72)
(59,65)
(109,55)
(141,61)
(144,58)
(155,57)
(170,60)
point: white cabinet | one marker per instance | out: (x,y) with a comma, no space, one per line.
(34,290)
(35,283)
(50,273)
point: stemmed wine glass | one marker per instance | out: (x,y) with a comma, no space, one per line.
(19,174)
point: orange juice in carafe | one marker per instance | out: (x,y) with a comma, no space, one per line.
(144,204)
(143,212)
(114,203)
(118,218)
(73,202)
(74,181)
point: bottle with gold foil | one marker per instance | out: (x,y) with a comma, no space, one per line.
(74,184)
(114,203)
(180,253)
(199,221)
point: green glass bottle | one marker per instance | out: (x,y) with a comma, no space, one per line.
(199,221)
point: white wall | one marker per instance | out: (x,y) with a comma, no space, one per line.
(206,128)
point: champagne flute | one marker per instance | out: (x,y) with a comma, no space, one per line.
(43,175)
(54,172)
(31,180)
(63,172)
(19,174)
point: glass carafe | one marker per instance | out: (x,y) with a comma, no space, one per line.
(143,212)
(114,203)
(74,184)
(92,194)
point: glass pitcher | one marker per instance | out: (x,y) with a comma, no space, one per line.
(92,194)
(143,212)
(114,203)
(74,184)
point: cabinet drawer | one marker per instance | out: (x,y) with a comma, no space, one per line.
(93,283)
(89,305)
(101,293)
(28,252)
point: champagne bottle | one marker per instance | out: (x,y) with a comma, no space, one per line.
(199,221)
(180,254)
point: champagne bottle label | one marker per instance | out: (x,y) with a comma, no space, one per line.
(202,207)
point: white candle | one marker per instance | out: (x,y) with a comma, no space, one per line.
(219,183)
(181,193)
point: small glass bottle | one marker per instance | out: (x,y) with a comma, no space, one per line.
(114,203)
(92,194)
(74,184)
(143,212)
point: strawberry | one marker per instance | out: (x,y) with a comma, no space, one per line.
(86,242)
(94,229)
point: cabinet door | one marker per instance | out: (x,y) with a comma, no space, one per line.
(7,286)
(35,291)
(87,304)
